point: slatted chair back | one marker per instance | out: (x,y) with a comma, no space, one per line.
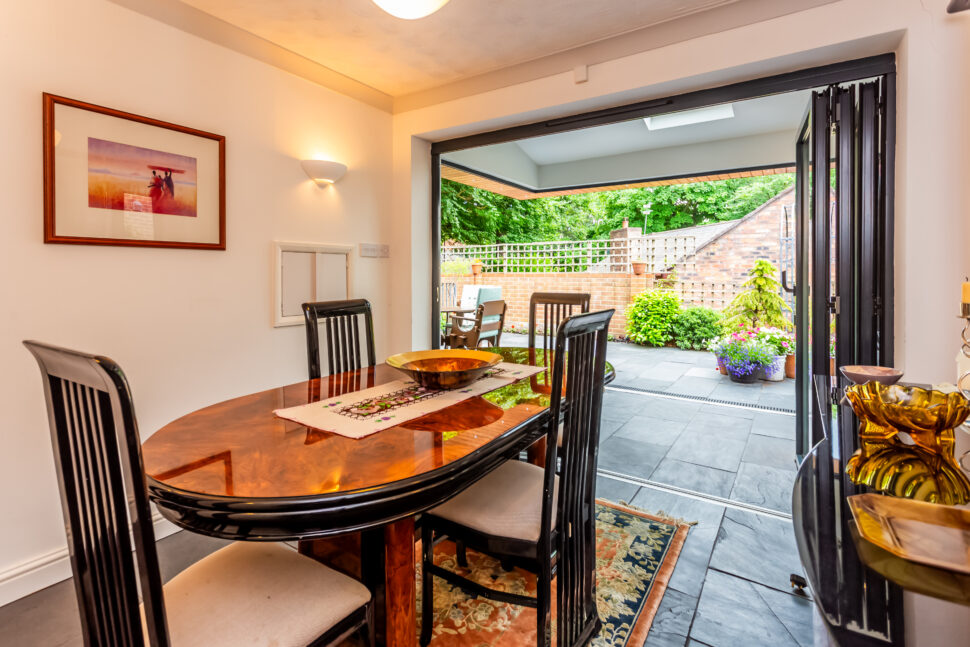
(492,320)
(97,453)
(449,294)
(547,310)
(581,345)
(340,323)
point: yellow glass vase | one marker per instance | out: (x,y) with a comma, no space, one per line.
(924,469)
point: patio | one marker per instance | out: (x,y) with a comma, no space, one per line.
(670,418)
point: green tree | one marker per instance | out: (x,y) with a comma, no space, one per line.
(760,305)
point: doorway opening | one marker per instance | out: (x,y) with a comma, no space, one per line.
(674,429)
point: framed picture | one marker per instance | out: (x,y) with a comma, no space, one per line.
(114,178)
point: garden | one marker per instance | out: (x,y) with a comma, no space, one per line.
(751,339)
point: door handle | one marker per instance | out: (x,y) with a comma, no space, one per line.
(784,283)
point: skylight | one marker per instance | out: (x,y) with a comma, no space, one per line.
(691,117)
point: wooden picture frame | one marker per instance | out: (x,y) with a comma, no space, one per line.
(116,178)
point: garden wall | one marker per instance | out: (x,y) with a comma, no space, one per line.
(613,290)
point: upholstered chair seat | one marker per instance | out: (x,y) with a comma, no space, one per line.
(254,593)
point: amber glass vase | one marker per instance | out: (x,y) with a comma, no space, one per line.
(924,469)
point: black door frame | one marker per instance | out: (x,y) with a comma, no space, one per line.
(805,79)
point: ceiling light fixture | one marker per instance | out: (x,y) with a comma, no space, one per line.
(323,172)
(410,9)
(690,117)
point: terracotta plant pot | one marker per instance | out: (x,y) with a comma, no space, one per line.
(639,268)
(476,268)
(790,366)
(721,366)
(831,366)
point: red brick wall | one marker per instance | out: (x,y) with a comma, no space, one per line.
(606,291)
(727,259)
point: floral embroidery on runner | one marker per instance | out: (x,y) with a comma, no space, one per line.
(380,408)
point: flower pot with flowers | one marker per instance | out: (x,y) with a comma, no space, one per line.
(716,346)
(477,266)
(745,355)
(781,344)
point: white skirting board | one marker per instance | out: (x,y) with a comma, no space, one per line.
(50,568)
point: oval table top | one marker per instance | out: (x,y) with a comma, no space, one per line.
(235,470)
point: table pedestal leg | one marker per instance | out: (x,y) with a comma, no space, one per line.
(399,573)
(537,452)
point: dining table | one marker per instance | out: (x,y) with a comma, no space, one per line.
(234,470)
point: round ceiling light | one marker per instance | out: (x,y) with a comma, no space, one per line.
(410,9)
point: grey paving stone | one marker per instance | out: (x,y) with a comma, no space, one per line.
(774,424)
(628,456)
(732,612)
(757,547)
(665,371)
(706,372)
(779,400)
(614,490)
(734,412)
(637,381)
(671,624)
(669,409)
(771,452)
(649,429)
(746,393)
(767,487)
(699,386)
(702,448)
(719,425)
(696,478)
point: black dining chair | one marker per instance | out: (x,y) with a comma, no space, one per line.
(340,322)
(548,309)
(527,516)
(245,593)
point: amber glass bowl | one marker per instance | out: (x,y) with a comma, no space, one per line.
(445,368)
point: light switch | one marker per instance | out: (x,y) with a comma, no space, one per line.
(374,250)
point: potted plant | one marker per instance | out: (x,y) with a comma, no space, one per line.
(639,267)
(477,266)
(760,304)
(779,342)
(744,355)
(716,346)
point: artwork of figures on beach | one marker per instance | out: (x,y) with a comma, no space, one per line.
(132,178)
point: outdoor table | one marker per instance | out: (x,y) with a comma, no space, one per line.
(234,470)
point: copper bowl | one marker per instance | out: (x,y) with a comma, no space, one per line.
(862,374)
(445,368)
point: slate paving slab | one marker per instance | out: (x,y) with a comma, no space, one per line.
(764,486)
(758,548)
(629,456)
(649,429)
(696,447)
(671,624)
(770,451)
(697,478)
(773,424)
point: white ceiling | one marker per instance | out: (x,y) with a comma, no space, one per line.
(781,112)
(465,38)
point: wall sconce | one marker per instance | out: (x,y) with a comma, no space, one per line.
(323,172)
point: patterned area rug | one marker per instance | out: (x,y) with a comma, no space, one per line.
(635,557)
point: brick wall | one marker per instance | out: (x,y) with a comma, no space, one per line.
(727,259)
(612,290)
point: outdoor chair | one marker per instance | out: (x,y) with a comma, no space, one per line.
(340,321)
(245,593)
(527,516)
(547,310)
(485,326)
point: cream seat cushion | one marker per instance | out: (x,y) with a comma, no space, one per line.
(507,502)
(257,594)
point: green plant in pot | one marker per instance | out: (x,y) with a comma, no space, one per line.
(781,345)
(760,304)
(744,355)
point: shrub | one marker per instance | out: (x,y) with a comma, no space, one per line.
(459,266)
(760,305)
(649,317)
(695,327)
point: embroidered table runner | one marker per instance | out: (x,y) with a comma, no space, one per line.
(362,413)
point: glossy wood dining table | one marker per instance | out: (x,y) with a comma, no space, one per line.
(236,471)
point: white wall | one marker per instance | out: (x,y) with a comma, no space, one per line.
(933,62)
(768,149)
(189,327)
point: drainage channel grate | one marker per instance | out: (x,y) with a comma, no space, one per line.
(699,398)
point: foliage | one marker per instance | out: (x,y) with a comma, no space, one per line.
(459,266)
(477,216)
(649,317)
(779,340)
(761,303)
(743,353)
(693,328)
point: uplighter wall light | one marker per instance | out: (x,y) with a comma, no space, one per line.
(410,9)
(323,172)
